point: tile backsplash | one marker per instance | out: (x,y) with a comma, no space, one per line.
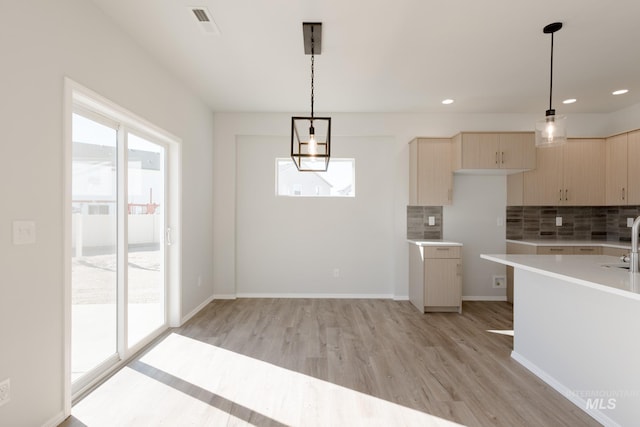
(578,222)
(418,222)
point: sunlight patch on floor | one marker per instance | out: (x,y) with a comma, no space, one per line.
(501,331)
(188,382)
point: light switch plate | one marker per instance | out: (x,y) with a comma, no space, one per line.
(629,222)
(24,232)
(432,220)
(558,221)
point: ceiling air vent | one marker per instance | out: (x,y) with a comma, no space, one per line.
(204,20)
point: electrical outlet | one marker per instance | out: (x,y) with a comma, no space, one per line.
(432,220)
(336,272)
(629,222)
(499,282)
(5,391)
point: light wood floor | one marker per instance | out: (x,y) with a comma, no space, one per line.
(330,362)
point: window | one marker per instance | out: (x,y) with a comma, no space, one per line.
(337,181)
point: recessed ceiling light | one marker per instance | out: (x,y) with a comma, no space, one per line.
(620,92)
(447,101)
(569,101)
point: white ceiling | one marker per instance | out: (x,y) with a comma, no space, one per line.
(402,56)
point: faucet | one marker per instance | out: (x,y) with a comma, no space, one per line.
(634,261)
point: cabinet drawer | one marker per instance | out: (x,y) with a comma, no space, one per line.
(615,251)
(587,250)
(555,250)
(442,252)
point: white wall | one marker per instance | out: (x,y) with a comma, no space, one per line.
(479,201)
(41,42)
(290,246)
(401,128)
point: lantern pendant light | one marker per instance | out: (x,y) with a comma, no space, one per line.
(311,136)
(552,130)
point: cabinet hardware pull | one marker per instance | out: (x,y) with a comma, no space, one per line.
(622,193)
(566,194)
(561,194)
(442,249)
(496,157)
(556,249)
(168,236)
(503,157)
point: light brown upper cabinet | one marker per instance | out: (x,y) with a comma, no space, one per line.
(430,174)
(633,167)
(623,169)
(485,151)
(572,174)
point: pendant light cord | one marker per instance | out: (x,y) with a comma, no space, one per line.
(551,78)
(312,62)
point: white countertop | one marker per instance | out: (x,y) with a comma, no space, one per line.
(434,242)
(586,270)
(602,243)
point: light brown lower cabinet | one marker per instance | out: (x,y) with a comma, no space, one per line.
(435,278)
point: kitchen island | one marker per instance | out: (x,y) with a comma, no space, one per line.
(577,327)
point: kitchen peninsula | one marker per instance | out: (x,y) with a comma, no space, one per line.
(577,327)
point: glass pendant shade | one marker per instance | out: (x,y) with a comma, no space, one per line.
(311,143)
(551,131)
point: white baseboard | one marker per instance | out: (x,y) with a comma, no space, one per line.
(401,298)
(564,390)
(55,420)
(483,298)
(224,296)
(318,296)
(195,311)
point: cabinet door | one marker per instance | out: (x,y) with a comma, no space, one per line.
(584,172)
(542,186)
(434,174)
(616,170)
(633,168)
(443,282)
(517,150)
(480,151)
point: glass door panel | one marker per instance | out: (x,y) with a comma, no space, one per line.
(94,246)
(146,227)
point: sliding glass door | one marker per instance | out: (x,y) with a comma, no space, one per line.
(119,216)
(146,225)
(94,262)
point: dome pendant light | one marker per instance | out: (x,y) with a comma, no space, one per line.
(311,136)
(552,130)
